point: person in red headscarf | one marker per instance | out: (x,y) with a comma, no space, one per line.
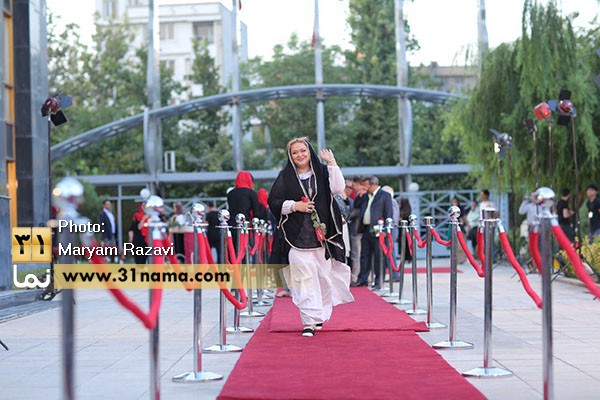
(138,232)
(243,199)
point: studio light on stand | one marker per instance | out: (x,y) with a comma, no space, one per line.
(567,113)
(543,111)
(532,128)
(502,148)
(53,106)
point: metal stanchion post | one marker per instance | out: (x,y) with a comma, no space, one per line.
(68,194)
(389,226)
(544,198)
(402,235)
(428,260)
(250,292)
(452,343)
(260,229)
(197,375)
(378,230)
(412,220)
(240,220)
(267,293)
(487,371)
(157,229)
(222,346)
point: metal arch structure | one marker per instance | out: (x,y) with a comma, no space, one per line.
(96,135)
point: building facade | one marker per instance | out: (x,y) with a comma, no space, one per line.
(454,79)
(24,168)
(180,22)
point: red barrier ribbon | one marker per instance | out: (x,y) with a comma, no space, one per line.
(270,244)
(420,242)
(517,267)
(409,239)
(234,258)
(388,251)
(472,261)
(257,243)
(534,250)
(566,245)
(149,319)
(480,249)
(205,252)
(165,244)
(438,239)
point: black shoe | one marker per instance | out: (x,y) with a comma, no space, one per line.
(319,326)
(308,332)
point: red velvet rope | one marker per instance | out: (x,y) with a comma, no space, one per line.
(409,239)
(257,242)
(472,261)
(243,243)
(515,264)
(166,243)
(149,319)
(382,244)
(438,239)
(480,249)
(205,253)
(566,245)
(534,250)
(270,244)
(420,242)
(388,251)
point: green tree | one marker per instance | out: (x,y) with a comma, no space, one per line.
(106,85)
(288,118)
(549,56)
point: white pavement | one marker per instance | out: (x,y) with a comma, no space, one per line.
(112,348)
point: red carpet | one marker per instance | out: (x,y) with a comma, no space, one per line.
(343,365)
(368,312)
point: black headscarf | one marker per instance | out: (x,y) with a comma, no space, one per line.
(287,186)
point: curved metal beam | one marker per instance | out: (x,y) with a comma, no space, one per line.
(95,135)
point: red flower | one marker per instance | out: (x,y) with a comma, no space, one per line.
(320,234)
(304,199)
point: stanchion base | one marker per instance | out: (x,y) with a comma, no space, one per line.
(193,377)
(453,345)
(493,372)
(434,325)
(218,348)
(416,312)
(388,294)
(391,300)
(251,314)
(261,303)
(239,329)
(404,301)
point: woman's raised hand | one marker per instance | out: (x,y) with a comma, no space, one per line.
(327,156)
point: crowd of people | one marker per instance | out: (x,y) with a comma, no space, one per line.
(324,235)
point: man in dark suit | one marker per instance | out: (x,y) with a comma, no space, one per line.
(108,225)
(378,206)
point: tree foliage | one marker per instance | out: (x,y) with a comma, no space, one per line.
(549,56)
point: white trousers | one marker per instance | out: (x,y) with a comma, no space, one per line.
(316,284)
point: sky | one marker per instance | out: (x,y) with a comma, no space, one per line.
(445,29)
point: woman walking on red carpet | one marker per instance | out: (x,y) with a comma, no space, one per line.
(309,234)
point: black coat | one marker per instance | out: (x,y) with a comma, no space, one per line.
(381,208)
(287,186)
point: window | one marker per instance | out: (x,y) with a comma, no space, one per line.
(188,67)
(9,141)
(166,31)
(109,8)
(134,3)
(7,5)
(169,65)
(204,31)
